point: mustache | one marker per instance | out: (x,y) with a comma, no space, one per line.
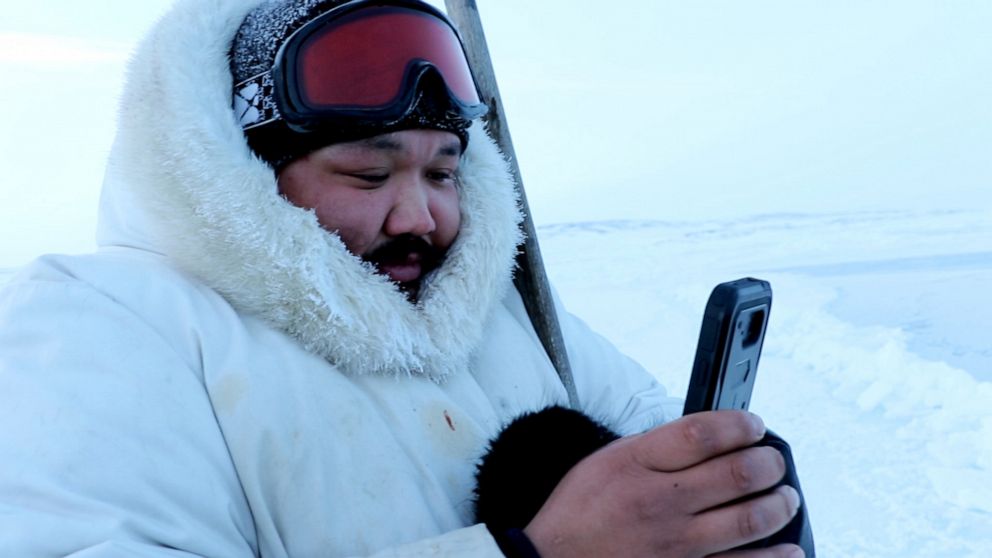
(397,250)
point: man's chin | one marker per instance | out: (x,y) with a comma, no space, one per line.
(411,289)
(406,260)
(406,277)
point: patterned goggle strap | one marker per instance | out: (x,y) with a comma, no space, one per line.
(255,102)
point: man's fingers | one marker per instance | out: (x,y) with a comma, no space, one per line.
(747,521)
(730,477)
(695,438)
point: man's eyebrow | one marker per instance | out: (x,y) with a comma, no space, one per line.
(382,144)
(453,149)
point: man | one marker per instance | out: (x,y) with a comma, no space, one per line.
(299,331)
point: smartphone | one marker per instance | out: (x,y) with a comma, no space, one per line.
(730,341)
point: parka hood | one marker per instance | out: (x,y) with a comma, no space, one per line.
(181,181)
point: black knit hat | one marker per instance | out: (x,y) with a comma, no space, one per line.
(253,54)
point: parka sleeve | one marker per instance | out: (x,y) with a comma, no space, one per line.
(108,444)
(612,387)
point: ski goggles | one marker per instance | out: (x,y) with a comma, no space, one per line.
(363,61)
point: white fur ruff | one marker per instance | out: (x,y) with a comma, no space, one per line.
(182,181)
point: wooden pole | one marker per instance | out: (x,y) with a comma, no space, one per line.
(531,279)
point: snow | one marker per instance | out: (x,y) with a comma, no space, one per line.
(877,364)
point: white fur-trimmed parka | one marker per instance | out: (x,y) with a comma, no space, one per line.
(223,378)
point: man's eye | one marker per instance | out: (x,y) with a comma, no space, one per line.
(370,178)
(441,176)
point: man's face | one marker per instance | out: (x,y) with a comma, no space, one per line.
(392,198)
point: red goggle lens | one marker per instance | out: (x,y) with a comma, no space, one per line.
(360,60)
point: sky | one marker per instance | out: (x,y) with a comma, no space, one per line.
(659,110)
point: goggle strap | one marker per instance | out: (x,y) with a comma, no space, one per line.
(255,102)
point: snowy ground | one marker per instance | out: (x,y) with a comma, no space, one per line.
(877,364)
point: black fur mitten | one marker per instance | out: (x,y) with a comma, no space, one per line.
(527,460)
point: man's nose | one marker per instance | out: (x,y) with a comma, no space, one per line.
(411,211)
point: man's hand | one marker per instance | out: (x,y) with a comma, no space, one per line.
(671,492)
